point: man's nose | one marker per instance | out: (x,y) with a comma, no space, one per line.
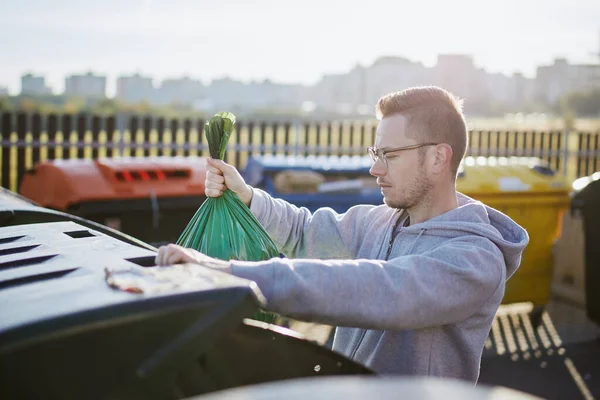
(378,169)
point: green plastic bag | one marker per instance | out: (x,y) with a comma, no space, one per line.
(223,227)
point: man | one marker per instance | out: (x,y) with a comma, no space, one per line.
(412,285)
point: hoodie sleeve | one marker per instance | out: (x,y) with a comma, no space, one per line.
(444,285)
(300,234)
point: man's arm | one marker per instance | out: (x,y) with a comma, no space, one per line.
(299,233)
(445,285)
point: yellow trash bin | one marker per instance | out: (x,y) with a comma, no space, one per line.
(535,197)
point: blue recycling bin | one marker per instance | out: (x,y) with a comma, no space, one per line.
(347,181)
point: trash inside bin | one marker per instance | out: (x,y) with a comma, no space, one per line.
(87,316)
(151,198)
(535,196)
(586,201)
(315,181)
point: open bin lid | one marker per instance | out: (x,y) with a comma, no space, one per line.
(259,166)
(61,183)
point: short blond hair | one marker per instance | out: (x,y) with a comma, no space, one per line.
(433,115)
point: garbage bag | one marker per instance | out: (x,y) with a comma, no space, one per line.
(224,227)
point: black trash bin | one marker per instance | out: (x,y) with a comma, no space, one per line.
(85,315)
(586,201)
(152,198)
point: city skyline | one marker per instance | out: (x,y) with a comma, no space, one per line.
(157,82)
(286,43)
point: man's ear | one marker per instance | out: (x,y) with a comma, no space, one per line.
(443,158)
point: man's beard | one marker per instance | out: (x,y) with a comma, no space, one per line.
(415,193)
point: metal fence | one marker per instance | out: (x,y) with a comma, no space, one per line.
(27,139)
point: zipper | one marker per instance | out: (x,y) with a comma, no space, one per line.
(393,237)
(389,251)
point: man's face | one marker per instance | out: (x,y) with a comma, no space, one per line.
(404,182)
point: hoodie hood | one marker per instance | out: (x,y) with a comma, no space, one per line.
(474,217)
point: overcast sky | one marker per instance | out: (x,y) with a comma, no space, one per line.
(286,41)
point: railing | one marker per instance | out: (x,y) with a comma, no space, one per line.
(28,139)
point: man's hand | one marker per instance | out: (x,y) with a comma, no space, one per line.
(221,176)
(175,254)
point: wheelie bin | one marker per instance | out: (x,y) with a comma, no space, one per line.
(586,202)
(535,197)
(151,198)
(315,181)
(86,315)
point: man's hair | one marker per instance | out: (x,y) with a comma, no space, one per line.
(433,115)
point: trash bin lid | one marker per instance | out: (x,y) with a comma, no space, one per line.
(493,175)
(61,183)
(582,183)
(586,191)
(73,296)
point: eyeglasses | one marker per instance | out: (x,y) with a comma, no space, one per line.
(380,154)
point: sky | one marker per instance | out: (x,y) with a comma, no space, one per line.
(286,41)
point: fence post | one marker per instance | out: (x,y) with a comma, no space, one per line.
(306,136)
(147,127)
(363,137)
(6,131)
(554,158)
(22,129)
(52,131)
(286,138)
(251,140)
(328,138)
(174,128)
(67,127)
(340,149)
(96,128)
(263,136)
(352,140)
(318,148)
(36,138)
(110,136)
(160,141)
(187,130)
(133,131)
(81,129)
(541,148)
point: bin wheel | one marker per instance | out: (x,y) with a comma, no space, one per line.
(535,316)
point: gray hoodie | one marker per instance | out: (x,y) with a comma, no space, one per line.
(417,302)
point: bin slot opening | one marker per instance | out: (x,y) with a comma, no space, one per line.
(544,170)
(80,234)
(10,239)
(24,262)
(177,173)
(35,278)
(146,261)
(16,250)
(151,175)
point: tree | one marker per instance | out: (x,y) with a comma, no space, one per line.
(5,104)
(582,104)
